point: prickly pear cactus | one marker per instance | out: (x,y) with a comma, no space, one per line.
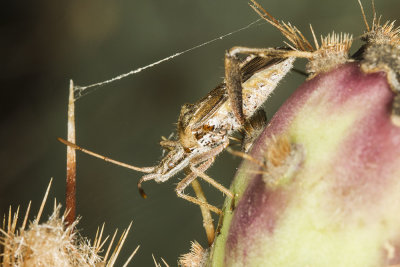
(322,186)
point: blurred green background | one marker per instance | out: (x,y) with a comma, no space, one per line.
(45,43)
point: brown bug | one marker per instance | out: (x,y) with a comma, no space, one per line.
(251,74)
(204,128)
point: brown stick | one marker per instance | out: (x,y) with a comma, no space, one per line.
(70,194)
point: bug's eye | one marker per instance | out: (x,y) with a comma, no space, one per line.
(171,165)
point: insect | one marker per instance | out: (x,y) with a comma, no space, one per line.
(204,128)
(251,74)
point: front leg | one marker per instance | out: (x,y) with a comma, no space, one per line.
(252,129)
(203,161)
(188,179)
(211,181)
(233,81)
(237,70)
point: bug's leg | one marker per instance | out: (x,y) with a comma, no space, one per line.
(214,183)
(233,81)
(206,213)
(252,129)
(234,75)
(188,179)
(169,144)
(211,181)
(207,219)
(201,173)
(205,160)
(268,52)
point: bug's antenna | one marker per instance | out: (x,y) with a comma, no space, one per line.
(245,156)
(363,14)
(116,162)
(141,191)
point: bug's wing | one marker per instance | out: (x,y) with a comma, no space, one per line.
(256,64)
(191,122)
(195,115)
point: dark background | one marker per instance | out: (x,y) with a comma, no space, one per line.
(45,43)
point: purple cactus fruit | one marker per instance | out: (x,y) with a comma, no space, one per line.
(324,186)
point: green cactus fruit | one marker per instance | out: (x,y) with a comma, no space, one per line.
(324,186)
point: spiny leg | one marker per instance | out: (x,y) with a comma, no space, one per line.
(252,129)
(188,179)
(245,156)
(233,81)
(217,185)
(207,219)
(211,181)
(268,52)
(204,157)
(205,160)
(250,132)
(299,47)
(169,144)
(233,71)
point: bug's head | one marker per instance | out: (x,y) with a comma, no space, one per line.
(175,161)
(171,164)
